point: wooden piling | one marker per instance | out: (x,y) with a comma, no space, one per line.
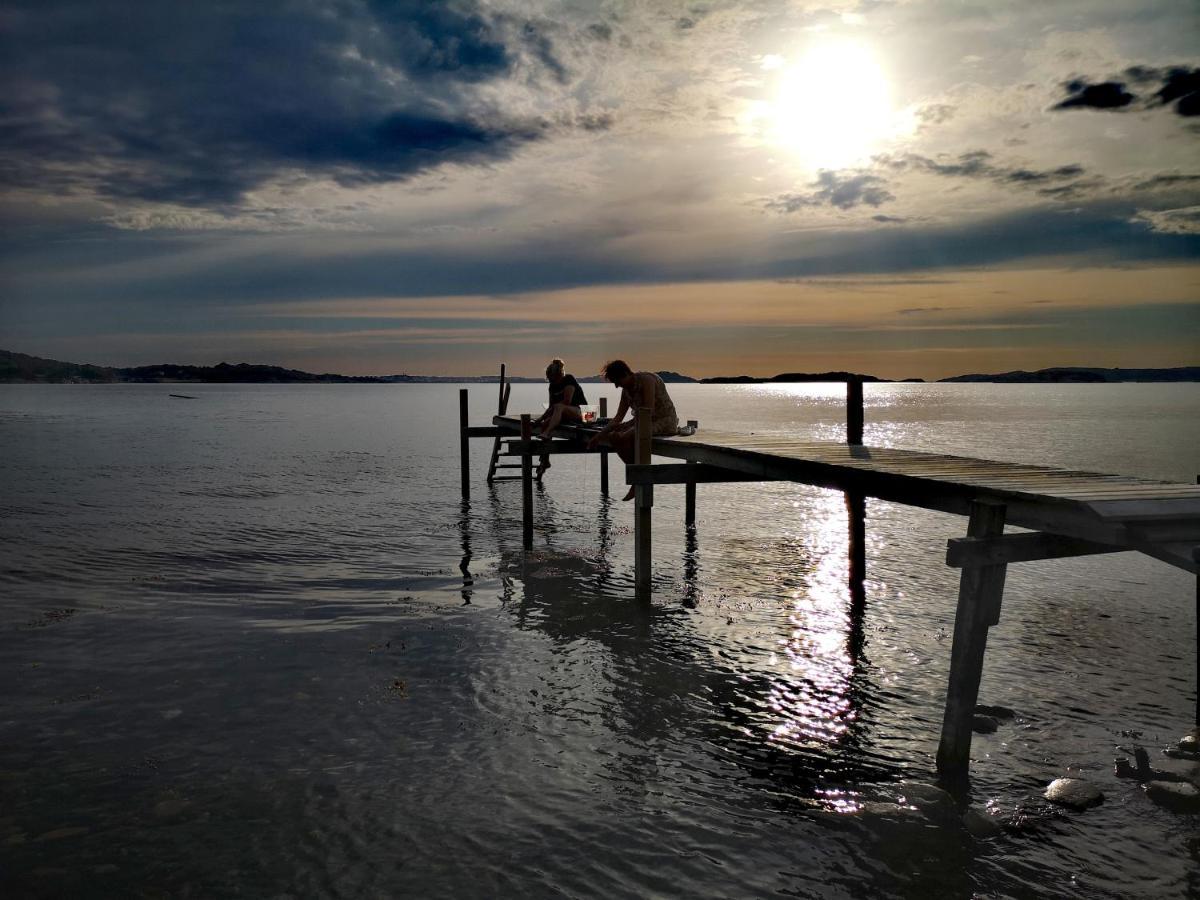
(464,444)
(526,482)
(689,500)
(856,516)
(604,452)
(854,411)
(689,495)
(979,595)
(643,502)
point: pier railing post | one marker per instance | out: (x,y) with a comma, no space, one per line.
(643,502)
(854,411)
(980,591)
(604,452)
(464,444)
(526,482)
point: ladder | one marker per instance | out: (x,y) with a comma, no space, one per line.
(501,409)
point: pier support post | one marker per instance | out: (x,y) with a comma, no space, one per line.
(643,504)
(854,411)
(979,594)
(604,452)
(464,444)
(689,496)
(689,500)
(526,483)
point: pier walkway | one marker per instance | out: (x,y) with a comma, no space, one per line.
(1067,513)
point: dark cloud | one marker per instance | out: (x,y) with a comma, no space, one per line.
(1178,85)
(1065,180)
(1106,95)
(196,104)
(913,310)
(837,190)
(894,220)
(1181,87)
(1167,180)
(599,31)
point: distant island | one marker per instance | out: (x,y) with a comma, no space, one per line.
(19,368)
(1079,375)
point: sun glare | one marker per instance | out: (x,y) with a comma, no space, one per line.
(833,106)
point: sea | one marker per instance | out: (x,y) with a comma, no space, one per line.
(255,644)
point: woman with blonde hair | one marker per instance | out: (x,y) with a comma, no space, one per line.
(566,396)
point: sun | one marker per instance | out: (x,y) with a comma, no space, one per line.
(833,106)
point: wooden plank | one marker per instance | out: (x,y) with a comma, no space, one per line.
(684,473)
(1013,548)
(545,448)
(485,431)
(980,591)
(1135,510)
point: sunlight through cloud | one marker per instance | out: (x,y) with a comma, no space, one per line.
(833,106)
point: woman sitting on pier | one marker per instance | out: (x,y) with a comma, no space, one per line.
(566,396)
(638,389)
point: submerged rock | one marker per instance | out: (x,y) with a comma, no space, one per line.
(1179,796)
(984,724)
(996,712)
(1074,792)
(933,802)
(1179,770)
(1190,742)
(980,825)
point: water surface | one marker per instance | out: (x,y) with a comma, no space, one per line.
(254,644)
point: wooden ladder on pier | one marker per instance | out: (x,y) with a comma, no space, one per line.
(501,409)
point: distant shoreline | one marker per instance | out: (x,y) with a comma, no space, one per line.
(19,368)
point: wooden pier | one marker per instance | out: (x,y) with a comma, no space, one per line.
(1067,513)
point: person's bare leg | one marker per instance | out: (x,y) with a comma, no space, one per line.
(552,420)
(560,413)
(622,443)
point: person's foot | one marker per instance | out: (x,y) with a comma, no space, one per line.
(629,496)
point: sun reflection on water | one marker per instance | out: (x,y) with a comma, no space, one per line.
(812,698)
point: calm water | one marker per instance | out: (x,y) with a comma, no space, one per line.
(241,657)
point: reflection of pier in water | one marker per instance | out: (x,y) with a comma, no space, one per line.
(1068,513)
(802,724)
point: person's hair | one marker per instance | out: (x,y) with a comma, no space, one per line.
(556,367)
(616,369)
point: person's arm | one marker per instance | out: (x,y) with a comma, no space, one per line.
(568,393)
(622,408)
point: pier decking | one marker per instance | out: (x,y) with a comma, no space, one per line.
(1068,513)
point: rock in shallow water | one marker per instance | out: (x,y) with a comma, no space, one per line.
(995,712)
(1190,742)
(980,824)
(1074,792)
(984,724)
(935,803)
(1176,795)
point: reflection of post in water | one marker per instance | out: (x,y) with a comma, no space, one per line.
(856,510)
(464,531)
(691,568)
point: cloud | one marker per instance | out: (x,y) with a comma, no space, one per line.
(1179,85)
(1107,95)
(1171,221)
(1059,182)
(837,190)
(197,104)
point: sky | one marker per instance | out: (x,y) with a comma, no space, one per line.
(905,189)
